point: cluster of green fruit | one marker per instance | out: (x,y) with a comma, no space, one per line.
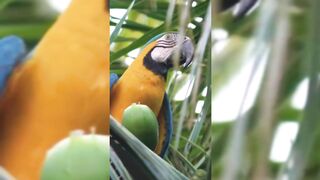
(87,156)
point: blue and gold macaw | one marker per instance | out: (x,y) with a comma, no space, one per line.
(144,82)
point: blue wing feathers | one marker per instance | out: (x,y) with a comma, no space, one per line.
(169,126)
(113,79)
(12,50)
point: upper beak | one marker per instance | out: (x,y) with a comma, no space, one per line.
(187,51)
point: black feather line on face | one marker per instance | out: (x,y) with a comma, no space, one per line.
(156,67)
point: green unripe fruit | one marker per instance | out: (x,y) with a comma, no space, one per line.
(79,157)
(140,120)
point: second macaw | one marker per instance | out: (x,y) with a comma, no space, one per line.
(61,87)
(144,82)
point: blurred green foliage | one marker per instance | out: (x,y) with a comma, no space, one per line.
(297,52)
(29,19)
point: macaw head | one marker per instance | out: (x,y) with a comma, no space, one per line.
(161,57)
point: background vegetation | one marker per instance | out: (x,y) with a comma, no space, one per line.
(266,55)
(28,19)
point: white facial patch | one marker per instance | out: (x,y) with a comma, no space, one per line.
(161,54)
(167,45)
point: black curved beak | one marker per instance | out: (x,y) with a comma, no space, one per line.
(186,54)
(243,6)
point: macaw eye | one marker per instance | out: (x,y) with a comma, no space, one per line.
(168,37)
